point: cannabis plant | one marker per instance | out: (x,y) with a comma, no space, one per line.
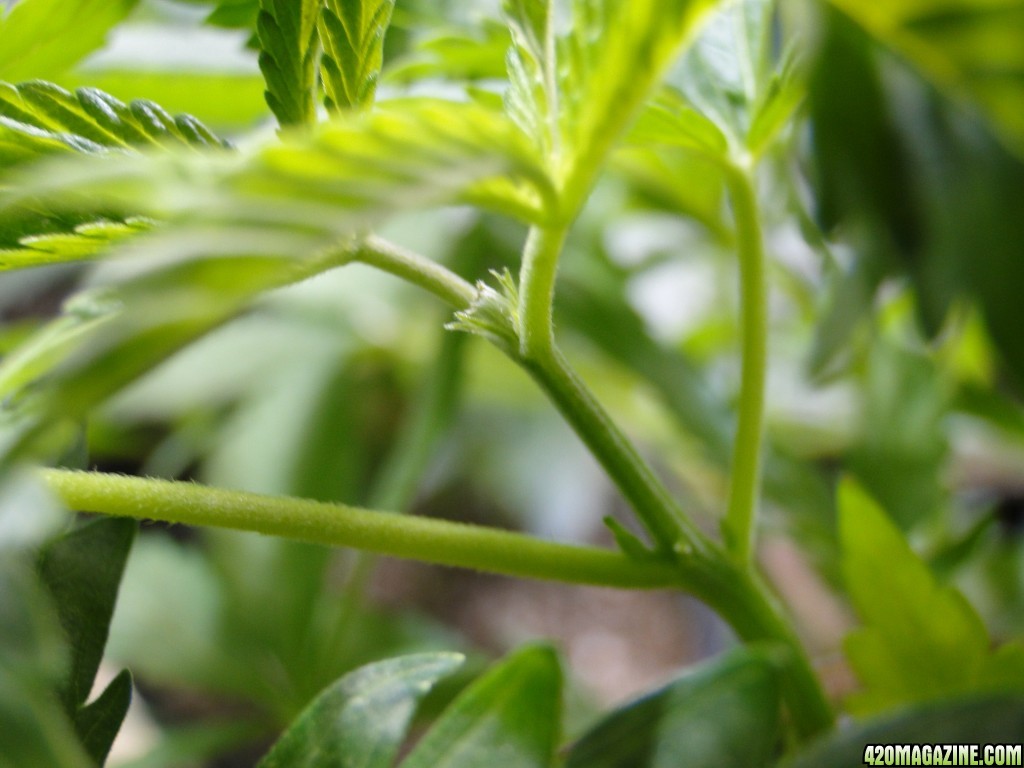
(847,175)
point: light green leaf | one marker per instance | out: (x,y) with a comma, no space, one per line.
(919,640)
(42,38)
(508,717)
(93,118)
(577,93)
(288,57)
(84,242)
(219,99)
(345,175)
(723,715)
(361,720)
(461,55)
(352,35)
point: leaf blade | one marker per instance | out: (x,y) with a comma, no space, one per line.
(360,721)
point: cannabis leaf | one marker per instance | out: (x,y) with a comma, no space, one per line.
(83,242)
(920,640)
(288,57)
(241,224)
(964,46)
(578,92)
(352,35)
(37,115)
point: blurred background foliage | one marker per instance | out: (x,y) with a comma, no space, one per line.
(891,137)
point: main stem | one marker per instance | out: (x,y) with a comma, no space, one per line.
(739,525)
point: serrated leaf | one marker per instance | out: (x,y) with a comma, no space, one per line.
(82,569)
(577,93)
(509,716)
(97,723)
(989,720)
(919,640)
(722,715)
(288,57)
(84,242)
(352,36)
(43,38)
(361,720)
(342,176)
(39,118)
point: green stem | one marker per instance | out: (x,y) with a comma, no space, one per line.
(416,269)
(739,525)
(537,290)
(701,567)
(654,505)
(428,540)
(740,597)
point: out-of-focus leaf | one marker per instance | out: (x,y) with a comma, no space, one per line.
(917,183)
(34,729)
(989,720)
(82,570)
(220,99)
(288,55)
(509,716)
(84,242)
(722,715)
(903,444)
(861,158)
(341,176)
(964,46)
(352,35)
(460,55)
(920,641)
(42,38)
(98,722)
(361,720)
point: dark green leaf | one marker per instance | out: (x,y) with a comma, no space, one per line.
(722,715)
(82,570)
(42,38)
(510,716)
(34,730)
(288,58)
(360,721)
(993,720)
(98,722)
(352,35)
(963,46)
(862,161)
